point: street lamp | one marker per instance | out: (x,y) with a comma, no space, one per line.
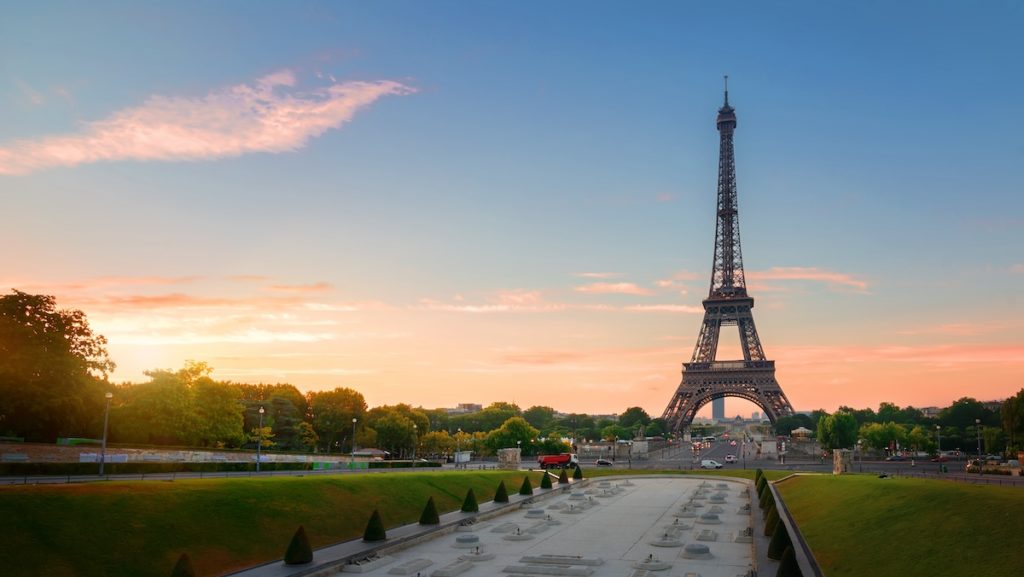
(938,439)
(977,428)
(458,446)
(352,455)
(415,441)
(259,439)
(106,418)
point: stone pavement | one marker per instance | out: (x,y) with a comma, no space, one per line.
(668,526)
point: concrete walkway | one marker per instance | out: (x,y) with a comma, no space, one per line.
(616,529)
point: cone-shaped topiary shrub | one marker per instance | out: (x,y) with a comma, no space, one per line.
(563,478)
(787,565)
(545,481)
(578,473)
(469,505)
(757,475)
(375,528)
(299,552)
(183,568)
(771,519)
(527,487)
(780,540)
(501,495)
(763,502)
(762,484)
(429,515)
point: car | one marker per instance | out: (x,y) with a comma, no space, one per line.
(940,459)
(732,443)
(730,458)
(895,458)
(710,464)
(603,463)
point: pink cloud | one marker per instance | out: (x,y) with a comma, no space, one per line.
(1017,268)
(687,309)
(270,115)
(956,329)
(597,274)
(603,288)
(807,274)
(300,288)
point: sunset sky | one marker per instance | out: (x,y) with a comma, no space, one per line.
(444,202)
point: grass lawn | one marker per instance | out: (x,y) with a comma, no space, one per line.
(859,525)
(139,528)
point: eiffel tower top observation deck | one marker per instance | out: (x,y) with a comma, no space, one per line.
(704,377)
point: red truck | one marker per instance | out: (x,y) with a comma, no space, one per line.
(557,461)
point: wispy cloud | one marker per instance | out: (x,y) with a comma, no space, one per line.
(814,274)
(1017,268)
(597,274)
(604,288)
(686,309)
(268,115)
(300,288)
(956,329)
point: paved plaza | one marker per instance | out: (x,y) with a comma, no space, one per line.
(638,527)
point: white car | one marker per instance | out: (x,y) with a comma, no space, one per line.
(730,458)
(710,464)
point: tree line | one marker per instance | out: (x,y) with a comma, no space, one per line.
(54,376)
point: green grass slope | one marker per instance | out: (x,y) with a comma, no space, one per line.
(859,525)
(131,528)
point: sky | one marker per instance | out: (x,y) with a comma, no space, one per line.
(467,202)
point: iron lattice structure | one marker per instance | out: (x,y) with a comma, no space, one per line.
(704,377)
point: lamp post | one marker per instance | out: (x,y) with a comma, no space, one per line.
(259,439)
(860,449)
(977,428)
(106,418)
(938,439)
(415,441)
(352,455)
(458,446)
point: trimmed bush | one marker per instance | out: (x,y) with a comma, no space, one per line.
(501,495)
(563,478)
(763,502)
(183,568)
(578,473)
(780,540)
(787,565)
(469,505)
(375,528)
(757,475)
(771,520)
(545,481)
(429,515)
(299,552)
(526,488)
(762,484)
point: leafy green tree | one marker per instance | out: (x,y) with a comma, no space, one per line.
(53,370)
(437,443)
(860,415)
(963,412)
(513,432)
(157,412)
(633,417)
(540,417)
(786,425)
(1011,415)
(395,433)
(837,431)
(218,414)
(331,414)
(656,428)
(882,436)
(439,419)
(612,432)
(487,420)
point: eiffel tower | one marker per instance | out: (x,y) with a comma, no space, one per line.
(704,377)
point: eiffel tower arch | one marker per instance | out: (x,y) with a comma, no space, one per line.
(706,378)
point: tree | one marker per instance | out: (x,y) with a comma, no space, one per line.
(501,494)
(1012,416)
(786,425)
(429,515)
(299,551)
(53,370)
(526,488)
(331,414)
(540,417)
(395,433)
(837,431)
(374,528)
(633,417)
(218,414)
(883,436)
(437,443)
(513,432)
(469,505)
(183,568)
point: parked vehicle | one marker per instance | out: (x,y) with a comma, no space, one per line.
(895,458)
(730,458)
(557,461)
(710,464)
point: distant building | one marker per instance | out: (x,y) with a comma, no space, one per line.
(930,412)
(463,408)
(755,416)
(718,409)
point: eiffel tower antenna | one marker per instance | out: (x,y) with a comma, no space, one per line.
(705,378)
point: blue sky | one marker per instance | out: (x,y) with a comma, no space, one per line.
(523,200)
